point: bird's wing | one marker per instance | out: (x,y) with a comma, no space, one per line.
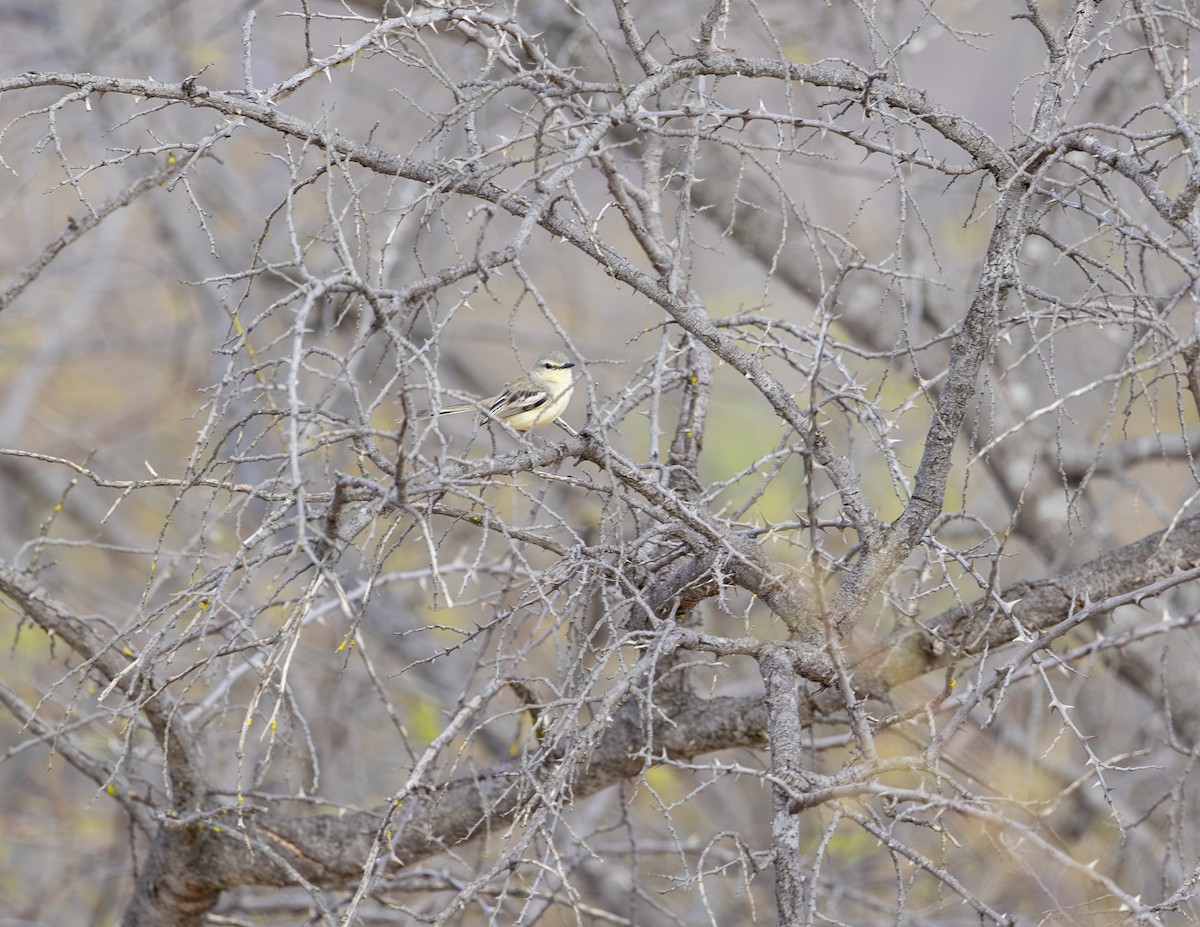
(521,399)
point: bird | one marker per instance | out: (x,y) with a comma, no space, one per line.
(529,401)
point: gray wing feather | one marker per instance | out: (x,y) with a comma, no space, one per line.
(520,400)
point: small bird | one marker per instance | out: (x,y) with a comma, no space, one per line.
(526,402)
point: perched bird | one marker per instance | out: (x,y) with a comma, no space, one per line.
(526,402)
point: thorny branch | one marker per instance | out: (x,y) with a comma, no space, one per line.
(902,450)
